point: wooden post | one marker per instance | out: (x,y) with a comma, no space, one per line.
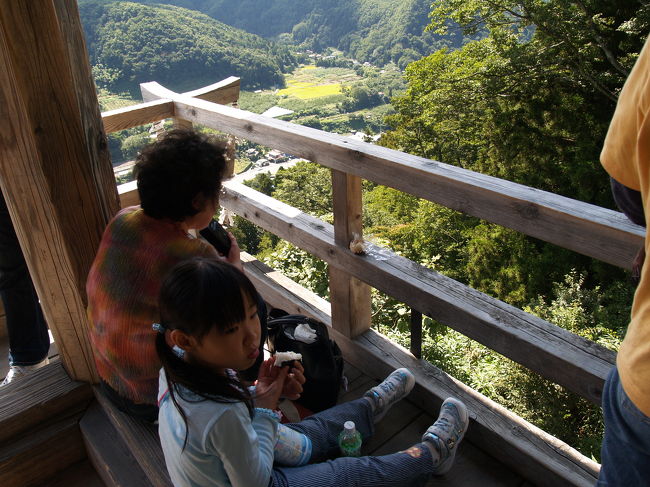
(416,333)
(55,169)
(350,297)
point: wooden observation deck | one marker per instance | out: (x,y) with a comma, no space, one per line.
(57,178)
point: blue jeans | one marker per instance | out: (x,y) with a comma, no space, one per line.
(397,469)
(29,341)
(626,446)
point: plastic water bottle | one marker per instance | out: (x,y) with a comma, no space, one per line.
(350,440)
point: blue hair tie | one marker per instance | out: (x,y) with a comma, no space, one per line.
(159,328)
(179,352)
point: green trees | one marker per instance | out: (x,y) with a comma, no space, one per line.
(377,31)
(528,103)
(130,43)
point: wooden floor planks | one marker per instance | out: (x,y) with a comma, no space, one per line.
(403,427)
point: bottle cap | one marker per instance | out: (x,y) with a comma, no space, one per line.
(349,425)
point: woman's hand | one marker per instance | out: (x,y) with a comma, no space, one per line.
(270,384)
(294,381)
(233,256)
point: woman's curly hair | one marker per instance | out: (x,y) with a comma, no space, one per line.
(174,170)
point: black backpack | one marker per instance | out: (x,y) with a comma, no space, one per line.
(322,359)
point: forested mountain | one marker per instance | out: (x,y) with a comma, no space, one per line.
(378,31)
(129,43)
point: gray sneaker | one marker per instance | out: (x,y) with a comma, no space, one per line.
(395,387)
(18,371)
(447,432)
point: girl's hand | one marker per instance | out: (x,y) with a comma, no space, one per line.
(270,384)
(294,381)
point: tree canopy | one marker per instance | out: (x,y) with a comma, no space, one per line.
(377,31)
(129,43)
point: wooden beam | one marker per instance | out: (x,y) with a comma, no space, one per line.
(224,91)
(221,92)
(141,439)
(54,163)
(597,232)
(48,392)
(129,195)
(125,118)
(526,449)
(34,459)
(533,453)
(284,293)
(557,354)
(107,452)
(351,308)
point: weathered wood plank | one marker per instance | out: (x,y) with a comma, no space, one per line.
(81,474)
(51,164)
(95,136)
(223,92)
(47,393)
(108,453)
(125,118)
(531,452)
(32,459)
(473,467)
(565,358)
(350,298)
(597,232)
(141,439)
(285,293)
(526,449)
(129,194)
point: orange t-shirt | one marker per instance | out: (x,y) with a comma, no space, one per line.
(626,157)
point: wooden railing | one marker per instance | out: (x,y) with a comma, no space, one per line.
(561,356)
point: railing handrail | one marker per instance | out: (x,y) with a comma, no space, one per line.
(582,227)
(567,359)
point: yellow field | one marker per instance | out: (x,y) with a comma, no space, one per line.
(305,91)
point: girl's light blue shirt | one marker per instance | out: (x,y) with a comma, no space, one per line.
(224,446)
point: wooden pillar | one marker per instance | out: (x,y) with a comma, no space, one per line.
(55,169)
(350,297)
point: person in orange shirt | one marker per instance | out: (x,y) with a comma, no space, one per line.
(626,395)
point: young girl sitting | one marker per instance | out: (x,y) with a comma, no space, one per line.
(216,432)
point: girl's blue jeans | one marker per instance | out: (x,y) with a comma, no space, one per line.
(626,446)
(397,469)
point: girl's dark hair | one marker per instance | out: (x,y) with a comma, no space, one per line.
(196,296)
(172,171)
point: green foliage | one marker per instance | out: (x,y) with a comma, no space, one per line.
(129,43)
(300,266)
(133,143)
(506,106)
(584,311)
(263,183)
(377,31)
(306,186)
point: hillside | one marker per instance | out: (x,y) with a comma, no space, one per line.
(378,31)
(130,43)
